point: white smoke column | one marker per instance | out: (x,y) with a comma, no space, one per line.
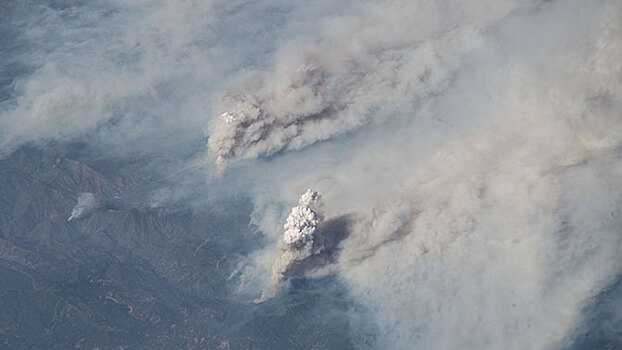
(296,243)
(356,70)
(302,222)
(86,204)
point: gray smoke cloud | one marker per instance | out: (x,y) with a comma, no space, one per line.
(86,204)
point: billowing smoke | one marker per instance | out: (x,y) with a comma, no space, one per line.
(296,243)
(358,69)
(302,222)
(86,204)
(309,241)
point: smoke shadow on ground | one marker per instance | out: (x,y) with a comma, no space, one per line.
(326,246)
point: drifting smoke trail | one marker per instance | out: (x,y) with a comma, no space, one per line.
(86,204)
(341,80)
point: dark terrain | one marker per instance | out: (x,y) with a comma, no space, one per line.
(128,276)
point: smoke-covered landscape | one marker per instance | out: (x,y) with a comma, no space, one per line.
(270,174)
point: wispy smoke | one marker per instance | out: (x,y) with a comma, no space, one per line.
(86,204)
(120,71)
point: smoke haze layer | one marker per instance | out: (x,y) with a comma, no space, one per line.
(474,148)
(497,227)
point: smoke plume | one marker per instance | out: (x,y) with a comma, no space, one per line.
(298,237)
(86,204)
(358,69)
